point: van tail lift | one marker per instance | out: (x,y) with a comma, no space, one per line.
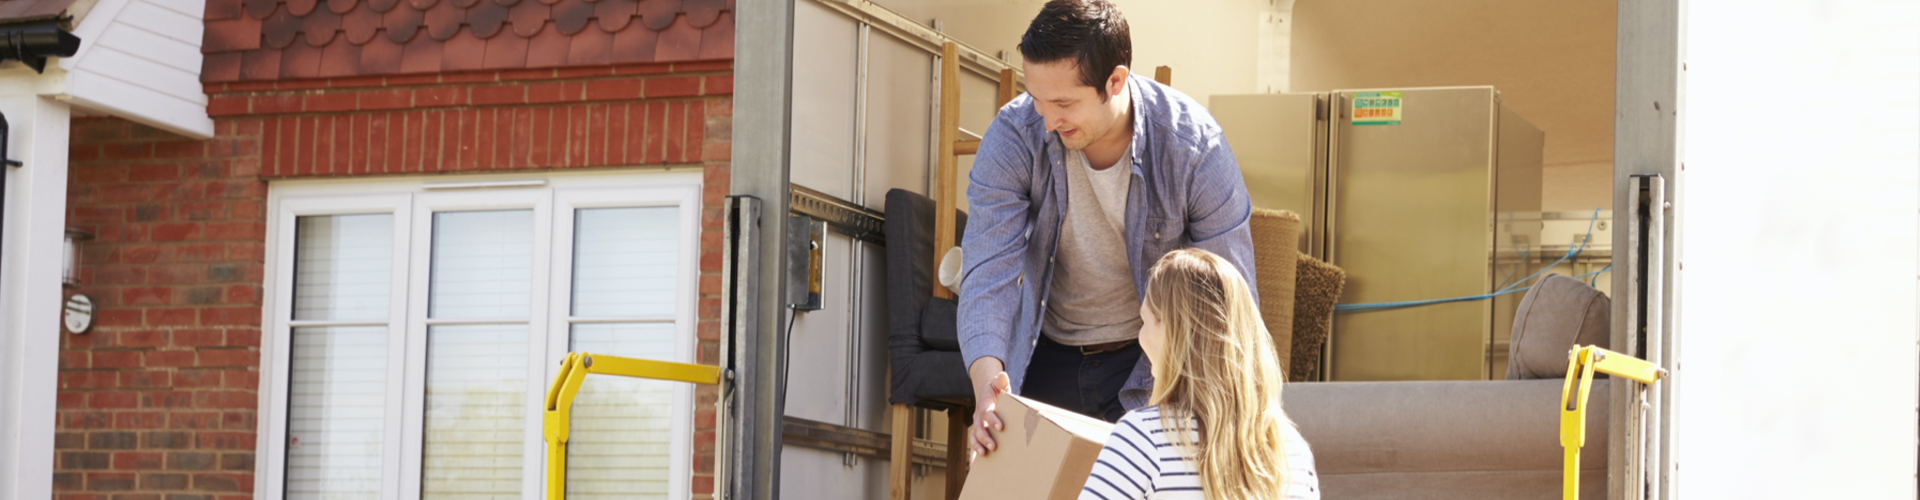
(1581,363)
(566,384)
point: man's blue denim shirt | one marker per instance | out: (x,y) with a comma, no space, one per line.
(1186,192)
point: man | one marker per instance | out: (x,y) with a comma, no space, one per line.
(1078,188)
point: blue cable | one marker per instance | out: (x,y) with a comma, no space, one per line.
(1570,252)
(1595,276)
(1509,289)
(1393,305)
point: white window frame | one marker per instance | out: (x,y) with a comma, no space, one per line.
(412,201)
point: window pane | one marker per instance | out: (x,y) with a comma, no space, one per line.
(336,412)
(476,411)
(342,267)
(625,261)
(482,265)
(621,440)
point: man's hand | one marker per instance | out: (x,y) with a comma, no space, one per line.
(989,380)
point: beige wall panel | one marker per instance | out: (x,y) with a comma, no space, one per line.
(870,348)
(1576,187)
(824,55)
(817,384)
(899,118)
(814,473)
(1275,140)
(1552,61)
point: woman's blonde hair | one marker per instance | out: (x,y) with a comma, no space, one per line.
(1219,372)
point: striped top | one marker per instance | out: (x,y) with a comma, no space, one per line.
(1139,462)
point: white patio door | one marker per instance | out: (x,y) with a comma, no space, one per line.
(415,334)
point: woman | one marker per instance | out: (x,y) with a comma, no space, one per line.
(1215,428)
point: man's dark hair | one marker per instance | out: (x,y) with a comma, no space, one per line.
(1091,33)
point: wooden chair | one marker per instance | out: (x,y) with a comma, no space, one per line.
(946,202)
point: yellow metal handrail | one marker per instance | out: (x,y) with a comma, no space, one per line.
(1581,363)
(566,384)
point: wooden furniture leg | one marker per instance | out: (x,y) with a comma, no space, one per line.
(957,420)
(900,468)
(946,198)
(947,179)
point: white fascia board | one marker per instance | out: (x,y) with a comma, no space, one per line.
(110,95)
(115,72)
(91,27)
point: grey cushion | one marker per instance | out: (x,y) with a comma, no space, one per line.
(940,325)
(923,348)
(1556,314)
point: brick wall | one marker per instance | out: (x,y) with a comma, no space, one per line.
(159,400)
(611,116)
(159,396)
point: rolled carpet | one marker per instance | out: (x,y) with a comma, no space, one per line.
(1316,288)
(1276,243)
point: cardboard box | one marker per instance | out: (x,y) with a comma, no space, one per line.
(1044,453)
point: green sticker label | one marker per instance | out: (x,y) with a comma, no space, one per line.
(1376,108)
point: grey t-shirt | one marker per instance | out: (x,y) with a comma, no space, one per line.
(1091,299)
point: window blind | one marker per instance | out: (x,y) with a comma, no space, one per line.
(336,411)
(476,411)
(625,261)
(481,269)
(621,441)
(625,264)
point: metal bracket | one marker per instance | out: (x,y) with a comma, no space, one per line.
(860,222)
(805,238)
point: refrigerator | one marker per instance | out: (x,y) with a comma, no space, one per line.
(1418,194)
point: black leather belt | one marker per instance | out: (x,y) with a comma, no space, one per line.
(1106,347)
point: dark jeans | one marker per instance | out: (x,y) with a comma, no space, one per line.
(1088,384)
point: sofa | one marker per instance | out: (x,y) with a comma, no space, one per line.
(1480,440)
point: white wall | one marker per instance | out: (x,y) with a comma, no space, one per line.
(1797,296)
(1552,61)
(1214,47)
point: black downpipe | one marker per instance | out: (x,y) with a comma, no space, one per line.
(6,171)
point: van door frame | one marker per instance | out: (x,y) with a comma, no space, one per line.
(762,124)
(1649,85)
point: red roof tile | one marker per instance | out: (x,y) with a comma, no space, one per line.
(221,10)
(285,39)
